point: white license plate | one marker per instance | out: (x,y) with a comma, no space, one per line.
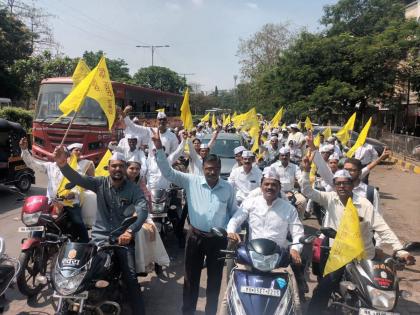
(366,311)
(158,215)
(261,291)
(30,229)
(82,295)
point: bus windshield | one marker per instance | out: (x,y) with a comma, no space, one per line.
(52,94)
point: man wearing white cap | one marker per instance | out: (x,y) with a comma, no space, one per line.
(335,202)
(84,166)
(296,135)
(333,141)
(271,151)
(238,156)
(117,199)
(196,160)
(366,154)
(246,178)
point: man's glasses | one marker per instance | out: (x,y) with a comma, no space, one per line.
(344,184)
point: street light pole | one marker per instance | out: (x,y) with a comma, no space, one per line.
(153,47)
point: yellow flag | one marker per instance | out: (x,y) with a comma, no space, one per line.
(327,132)
(317,140)
(100,169)
(300,125)
(213,122)
(234,114)
(206,117)
(348,243)
(96,85)
(344,133)
(308,123)
(277,118)
(228,120)
(186,112)
(81,72)
(160,110)
(62,191)
(254,133)
(284,126)
(360,139)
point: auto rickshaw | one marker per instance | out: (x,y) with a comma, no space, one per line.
(13,171)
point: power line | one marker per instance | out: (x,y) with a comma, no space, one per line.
(153,47)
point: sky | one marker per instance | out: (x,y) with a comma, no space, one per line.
(203,35)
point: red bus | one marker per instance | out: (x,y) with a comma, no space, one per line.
(90,126)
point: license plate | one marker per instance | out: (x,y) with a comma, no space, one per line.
(82,295)
(366,311)
(261,291)
(158,215)
(30,229)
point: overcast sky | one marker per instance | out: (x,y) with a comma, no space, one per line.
(203,34)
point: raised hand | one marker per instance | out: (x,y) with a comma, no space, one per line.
(23,143)
(127,110)
(156,138)
(386,154)
(310,140)
(60,156)
(306,164)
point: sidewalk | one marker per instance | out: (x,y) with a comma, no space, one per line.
(405,163)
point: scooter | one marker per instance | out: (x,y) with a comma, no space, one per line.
(9,268)
(258,289)
(86,279)
(369,286)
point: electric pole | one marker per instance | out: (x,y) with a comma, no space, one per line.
(153,47)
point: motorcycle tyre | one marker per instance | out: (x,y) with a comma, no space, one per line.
(24,258)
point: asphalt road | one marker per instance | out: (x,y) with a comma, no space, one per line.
(400,200)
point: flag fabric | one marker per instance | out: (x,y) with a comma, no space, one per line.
(81,72)
(96,85)
(348,243)
(360,139)
(186,116)
(161,110)
(277,118)
(299,125)
(100,169)
(327,132)
(344,133)
(62,191)
(308,123)
(254,133)
(214,122)
(284,126)
(317,140)
(205,118)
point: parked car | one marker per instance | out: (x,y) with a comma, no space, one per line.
(225,143)
(378,145)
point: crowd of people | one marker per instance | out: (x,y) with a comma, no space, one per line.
(271,191)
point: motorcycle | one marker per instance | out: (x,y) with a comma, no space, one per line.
(258,289)
(9,268)
(43,222)
(85,278)
(368,286)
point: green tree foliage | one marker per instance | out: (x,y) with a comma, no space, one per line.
(118,68)
(15,44)
(160,78)
(19,115)
(31,71)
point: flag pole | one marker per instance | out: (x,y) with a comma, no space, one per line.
(68,128)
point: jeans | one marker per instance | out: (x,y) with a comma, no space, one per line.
(126,263)
(79,229)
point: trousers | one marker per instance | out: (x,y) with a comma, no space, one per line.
(200,246)
(78,226)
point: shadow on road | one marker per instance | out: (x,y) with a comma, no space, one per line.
(11,200)
(384,195)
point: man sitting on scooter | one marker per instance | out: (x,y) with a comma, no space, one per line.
(334,202)
(117,199)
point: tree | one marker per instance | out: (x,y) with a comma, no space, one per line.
(160,78)
(261,50)
(118,68)
(14,44)
(31,71)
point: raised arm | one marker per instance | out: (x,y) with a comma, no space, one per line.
(307,190)
(142,131)
(28,158)
(366,170)
(213,139)
(179,150)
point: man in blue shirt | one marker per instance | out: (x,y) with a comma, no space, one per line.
(211,203)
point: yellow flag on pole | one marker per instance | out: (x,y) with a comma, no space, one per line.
(344,133)
(206,117)
(348,243)
(284,126)
(300,125)
(160,110)
(100,169)
(81,72)
(308,123)
(186,112)
(360,139)
(277,118)
(317,140)
(96,85)
(213,122)
(62,191)
(327,132)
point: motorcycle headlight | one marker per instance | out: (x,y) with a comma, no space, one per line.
(67,285)
(264,263)
(235,301)
(30,218)
(158,207)
(382,300)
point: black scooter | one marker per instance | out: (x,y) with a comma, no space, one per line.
(86,279)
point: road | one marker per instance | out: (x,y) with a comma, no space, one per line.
(400,200)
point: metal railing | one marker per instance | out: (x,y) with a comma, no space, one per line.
(405,145)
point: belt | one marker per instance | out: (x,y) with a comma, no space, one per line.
(201,233)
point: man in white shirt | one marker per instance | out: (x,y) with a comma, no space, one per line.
(196,159)
(333,141)
(296,135)
(271,151)
(246,178)
(366,154)
(238,156)
(334,202)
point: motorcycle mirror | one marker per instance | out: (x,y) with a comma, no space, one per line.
(412,246)
(69,186)
(329,232)
(219,232)
(308,239)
